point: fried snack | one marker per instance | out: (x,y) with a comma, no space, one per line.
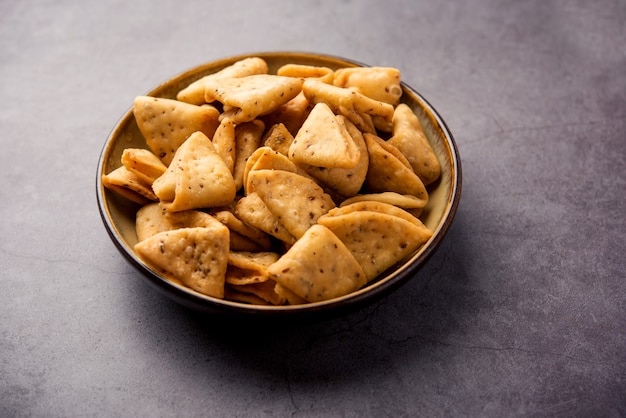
(153,218)
(196,178)
(323,74)
(378,83)
(143,163)
(253,211)
(347,102)
(292,114)
(389,170)
(400,200)
(323,141)
(249,97)
(196,257)
(286,194)
(257,262)
(265,158)
(224,143)
(247,140)
(373,206)
(278,138)
(345,182)
(167,123)
(294,200)
(194,93)
(376,240)
(129,185)
(318,267)
(290,297)
(234,224)
(409,138)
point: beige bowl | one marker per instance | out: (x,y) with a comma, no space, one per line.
(118,214)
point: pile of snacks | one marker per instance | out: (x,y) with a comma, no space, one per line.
(286,188)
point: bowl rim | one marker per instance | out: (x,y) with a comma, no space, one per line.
(355,300)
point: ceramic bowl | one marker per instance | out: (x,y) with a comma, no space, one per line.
(118,214)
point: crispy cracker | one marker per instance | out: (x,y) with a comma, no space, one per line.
(345,182)
(128,184)
(153,218)
(390,171)
(249,97)
(377,240)
(378,83)
(401,200)
(323,74)
(278,138)
(196,178)
(194,93)
(143,163)
(236,225)
(197,257)
(318,267)
(409,138)
(324,141)
(253,211)
(224,143)
(167,123)
(347,102)
(292,114)
(247,139)
(294,200)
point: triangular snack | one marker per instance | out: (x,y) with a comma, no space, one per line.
(167,123)
(401,200)
(224,142)
(296,201)
(324,74)
(248,97)
(347,102)
(265,158)
(253,211)
(323,141)
(378,83)
(292,114)
(153,218)
(143,163)
(194,93)
(248,137)
(248,267)
(197,257)
(290,297)
(196,178)
(150,220)
(345,182)
(278,138)
(265,291)
(389,171)
(258,261)
(129,185)
(373,206)
(409,138)
(234,224)
(377,240)
(318,267)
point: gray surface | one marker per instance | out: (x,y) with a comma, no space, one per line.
(521,312)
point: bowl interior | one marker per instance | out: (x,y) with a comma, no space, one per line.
(118,214)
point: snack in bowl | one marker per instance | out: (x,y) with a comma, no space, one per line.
(281,184)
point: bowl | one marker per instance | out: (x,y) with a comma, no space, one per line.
(118,214)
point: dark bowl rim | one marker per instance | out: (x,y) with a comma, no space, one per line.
(374,291)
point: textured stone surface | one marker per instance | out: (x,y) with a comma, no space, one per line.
(521,312)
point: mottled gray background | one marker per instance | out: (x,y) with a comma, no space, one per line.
(521,312)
